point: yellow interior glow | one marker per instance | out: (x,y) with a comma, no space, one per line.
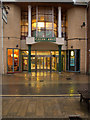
(40,25)
(14,55)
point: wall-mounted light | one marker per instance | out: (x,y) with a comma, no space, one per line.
(8,38)
(6,8)
(16,46)
(83,25)
(71,46)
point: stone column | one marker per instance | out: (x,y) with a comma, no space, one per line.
(59,22)
(59,58)
(29,59)
(29,21)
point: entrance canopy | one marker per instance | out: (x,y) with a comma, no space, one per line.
(44,46)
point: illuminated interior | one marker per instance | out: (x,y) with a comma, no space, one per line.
(16,60)
(10,60)
(45,25)
(13,60)
(43,60)
(44,22)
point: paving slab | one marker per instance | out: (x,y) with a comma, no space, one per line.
(43,107)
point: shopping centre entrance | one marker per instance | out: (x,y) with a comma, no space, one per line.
(43,61)
(46,63)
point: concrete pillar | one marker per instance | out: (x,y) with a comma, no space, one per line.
(29,21)
(29,59)
(59,22)
(59,58)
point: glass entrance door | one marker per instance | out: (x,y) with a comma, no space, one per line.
(48,63)
(40,63)
(43,63)
(33,63)
(25,63)
(54,63)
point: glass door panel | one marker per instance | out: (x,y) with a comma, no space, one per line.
(45,63)
(41,62)
(32,63)
(16,60)
(38,63)
(72,60)
(54,63)
(63,63)
(48,63)
(25,63)
(57,63)
(10,60)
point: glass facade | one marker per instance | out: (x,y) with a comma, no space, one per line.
(43,60)
(13,60)
(64,26)
(44,22)
(24,24)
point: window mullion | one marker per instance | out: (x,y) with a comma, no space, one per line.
(36,21)
(52,21)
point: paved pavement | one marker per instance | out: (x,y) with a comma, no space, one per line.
(64,85)
(43,107)
(43,83)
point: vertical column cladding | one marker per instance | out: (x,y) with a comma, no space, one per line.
(29,21)
(59,22)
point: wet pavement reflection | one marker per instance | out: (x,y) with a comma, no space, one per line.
(43,83)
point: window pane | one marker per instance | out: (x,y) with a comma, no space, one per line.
(48,18)
(41,25)
(34,33)
(22,29)
(33,26)
(32,52)
(41,34)
(25,52)
(49,26)
(16,60)
(26,29)
(45,22)
(48,33)
(24,24)
(41,18)
(10,60)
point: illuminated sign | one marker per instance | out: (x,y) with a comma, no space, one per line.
(72,53)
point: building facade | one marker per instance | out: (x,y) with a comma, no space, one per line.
(42,36)
(88,41)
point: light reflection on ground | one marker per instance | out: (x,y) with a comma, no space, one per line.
(44,83)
